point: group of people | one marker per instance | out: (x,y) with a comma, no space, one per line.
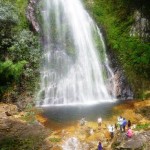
(122,122)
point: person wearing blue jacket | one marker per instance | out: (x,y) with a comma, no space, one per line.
(124,123)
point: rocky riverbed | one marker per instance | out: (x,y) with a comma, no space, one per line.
(20,130)
(30,130)
(74,135)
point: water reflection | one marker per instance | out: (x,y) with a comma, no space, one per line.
(74,113)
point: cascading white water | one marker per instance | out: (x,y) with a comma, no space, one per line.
(75,67)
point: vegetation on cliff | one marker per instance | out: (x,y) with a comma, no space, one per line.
(19,51)
(132,49)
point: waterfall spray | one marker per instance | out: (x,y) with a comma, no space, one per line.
(75,68)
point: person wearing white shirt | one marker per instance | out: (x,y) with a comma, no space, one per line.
(99,121)
(111,129)
(120,123)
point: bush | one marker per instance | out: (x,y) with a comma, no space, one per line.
(29,143)
(26,47)
(19,50)
(8,20)
(10,74)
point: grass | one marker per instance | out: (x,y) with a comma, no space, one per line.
(55,140)
(143,126)
(14,143)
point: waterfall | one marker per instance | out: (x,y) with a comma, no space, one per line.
(75,68)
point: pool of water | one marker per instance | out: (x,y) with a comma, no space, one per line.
(76,112)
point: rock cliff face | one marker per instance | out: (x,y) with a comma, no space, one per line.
(141,26)
(123,89)
(31,15)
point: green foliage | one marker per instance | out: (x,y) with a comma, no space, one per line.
(21,6)
(26,47)
(30,114)
(29,117)
(13,143)
(11,70)
(146,95)
(10,73)
(8,20)
(55,140)
(20,9)
(7,13)
(19,49)
(132,52)
(143,126)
